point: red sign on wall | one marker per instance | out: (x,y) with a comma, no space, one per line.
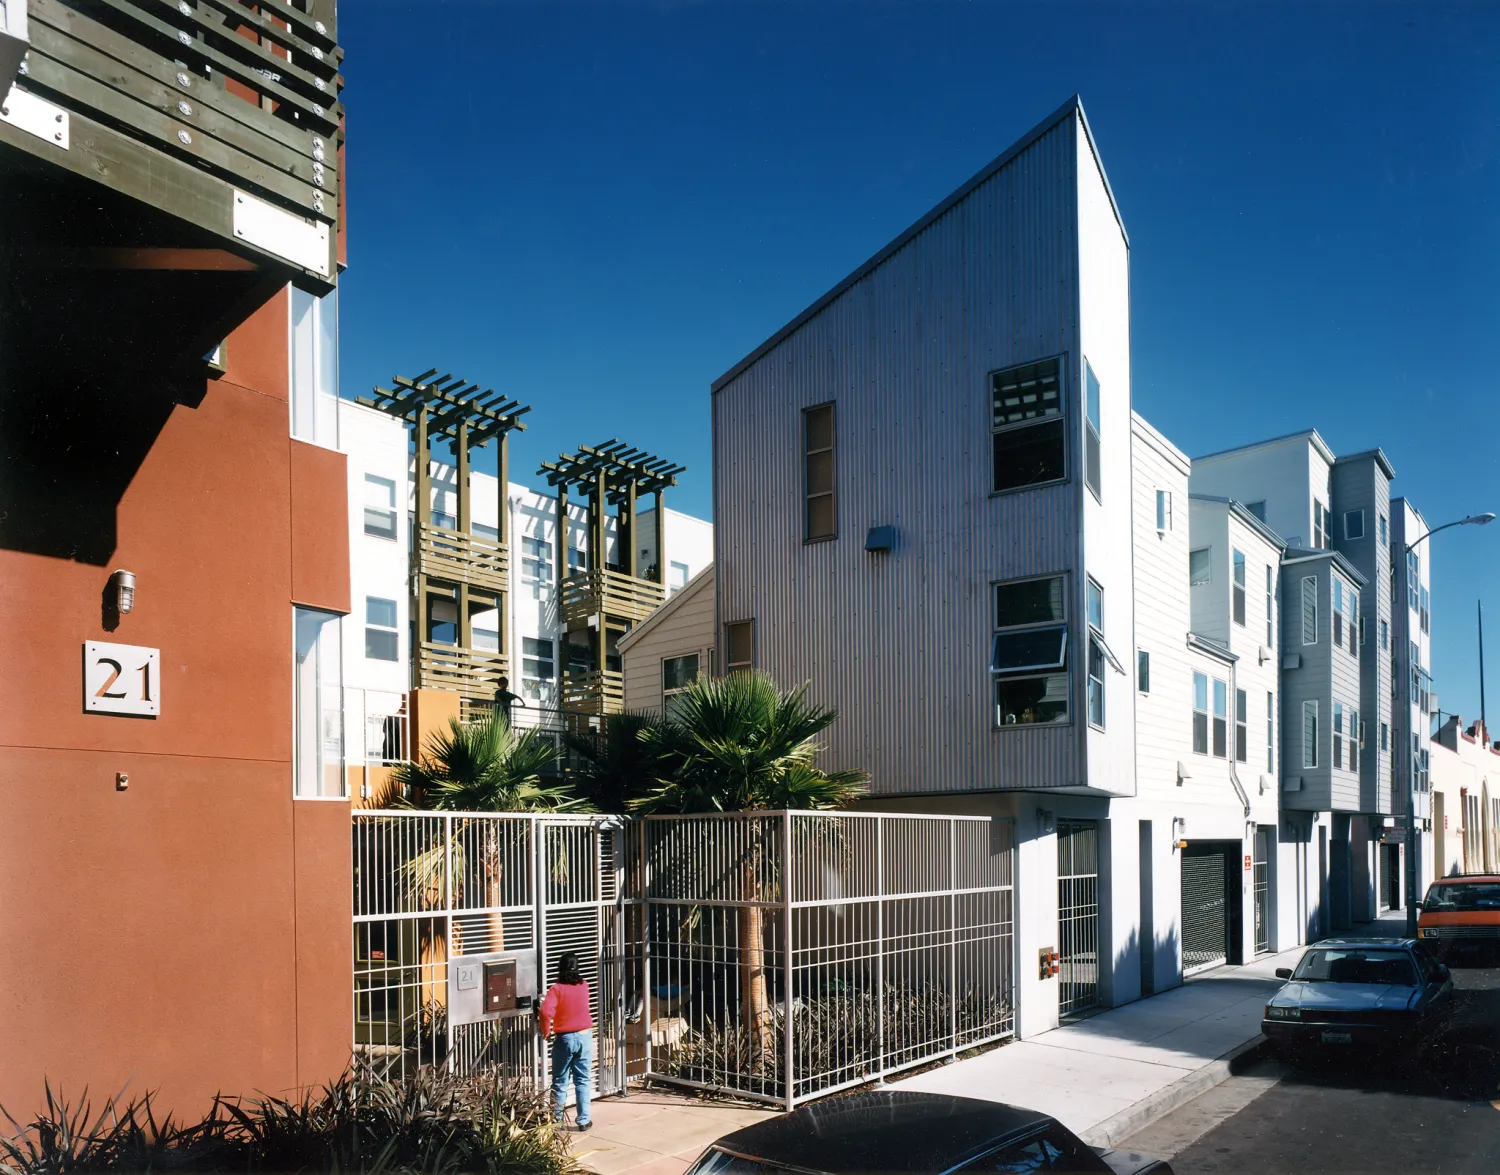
(1249,864)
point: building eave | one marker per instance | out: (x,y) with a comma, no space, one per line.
(1243,514)
(1203,644)
(1297,555)
(1311,435)
(1376,455)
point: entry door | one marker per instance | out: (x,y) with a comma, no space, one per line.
(1263,844)
(1205,908)
(1078,914)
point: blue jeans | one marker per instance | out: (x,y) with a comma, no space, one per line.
(572,1060)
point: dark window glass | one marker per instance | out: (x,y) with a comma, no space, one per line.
(1030,601)
(1029,456)
(739,641)
(1031,648)
(817,438)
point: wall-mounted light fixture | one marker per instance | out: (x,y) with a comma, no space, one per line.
(123,583)
(1046,822)
(1179,832)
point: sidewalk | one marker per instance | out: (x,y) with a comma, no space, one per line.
(656,1131)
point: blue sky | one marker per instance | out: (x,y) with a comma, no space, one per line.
(598,209)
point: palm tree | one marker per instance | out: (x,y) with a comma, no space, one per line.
(616,764)
(742,744)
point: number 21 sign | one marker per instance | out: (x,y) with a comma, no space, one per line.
(121,679)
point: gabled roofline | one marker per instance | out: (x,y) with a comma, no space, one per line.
(1379,457)
(1069,108)
(1158,439)
(1244,515)
(1310,434)
(671,605)
(1299,555)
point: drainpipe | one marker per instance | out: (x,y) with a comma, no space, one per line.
(1234,775)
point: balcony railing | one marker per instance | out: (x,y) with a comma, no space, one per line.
(458,557)
(223,113)
(597,691)
(472,673)
(590,593)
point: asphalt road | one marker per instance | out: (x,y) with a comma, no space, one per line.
(1437,1118)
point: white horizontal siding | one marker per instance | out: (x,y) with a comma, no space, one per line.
(683,625)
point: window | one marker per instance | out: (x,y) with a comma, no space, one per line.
(1241,726)
(536,564)
(1414,664)
(380,629)
(1338,611)
(1258,509)
(739,645)
(1385,737)
(1338,735)
(1320,525)
(1239,588)
(444,519)
(1221,719)
(1200,566)
(1413,581)
(1270,607)
(1029,654)
(317,706)
(1143,671)
(677,576)
(538,669)
(577,560)
(1163,511)
(1026,418)
(1095,596)
(817,449)
(1270,733)
(1425,601)
(486,639)
(1091,430)
(482,530)
(1356,739)
(314,353)
(1354,524)
(380,507)
(1095,599)
(1380,518)
(1310,734)
(677,673)
(1385,635)
(1309,610)
(1356,626)
(1200,713)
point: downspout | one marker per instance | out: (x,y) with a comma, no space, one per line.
(1234,775)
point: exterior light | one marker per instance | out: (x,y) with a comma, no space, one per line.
(124,584)
(1481,519)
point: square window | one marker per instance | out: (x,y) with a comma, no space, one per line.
(1354,524)
(678,672)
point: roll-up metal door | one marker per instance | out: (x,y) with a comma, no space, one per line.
(1205,908)
(1078,914)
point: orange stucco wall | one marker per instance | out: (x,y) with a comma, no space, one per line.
(190,933)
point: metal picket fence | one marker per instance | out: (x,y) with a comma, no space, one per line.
(788,955)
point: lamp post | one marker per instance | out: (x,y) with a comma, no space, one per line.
(1411,772)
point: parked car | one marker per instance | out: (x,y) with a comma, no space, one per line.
(1356,994)
(1460,916)
(887,1131)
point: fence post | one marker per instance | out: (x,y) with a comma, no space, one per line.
(447,930)
(642,846)
(880,946)
(539,925)
(953,934)
(786,947)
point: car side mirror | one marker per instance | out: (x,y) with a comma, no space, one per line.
(1283,973)
(1417,905)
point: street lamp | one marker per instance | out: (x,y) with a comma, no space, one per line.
(1411,773)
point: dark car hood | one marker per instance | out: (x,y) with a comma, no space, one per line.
(1353,997)
(1128,1162)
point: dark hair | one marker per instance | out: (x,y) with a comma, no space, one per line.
(568,970)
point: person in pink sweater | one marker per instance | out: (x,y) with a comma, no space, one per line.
(566,1021)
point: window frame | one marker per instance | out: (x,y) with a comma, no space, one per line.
(376,481)
(1241,726)
(1271,732)
(1270,607)
(730,665)
(1057,420)
(808,494)
(1310,747)
(1051,671)
(1384,528)
(1220,719)
(1337,735)
(329,661)
(1200,730)
(391,630)
(1143,671)
(1163,511)
(1093,432)
(1321,521)
(1359,514)
(1208,563)
(670,692)
(1309,609)
(1238,586)
(532,662)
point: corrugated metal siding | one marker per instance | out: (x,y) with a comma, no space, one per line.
(901,641)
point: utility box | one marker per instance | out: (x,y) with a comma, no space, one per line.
(491,986)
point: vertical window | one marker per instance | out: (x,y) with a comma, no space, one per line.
(1270,607)
(1221,719)
(1200,713)
(380,507)
(1026,419)
(1095,598)
(1338,735)
(1424,601)
(817,448)
(1163,511)
(677,673)
(1241,726)
(1356,624)
(1239,588)
(1414,665)
(536,564)
(1270,733)
(677,576)
(314,353)
(317,706)
(1258,509)
(380,629)
(1356,739)
(1200,566)
(1091,429)
(1385,636)
(1143,671)
(739,645)
(1413,581)
(1381,519)
(1309,610)
(577,560)
(1385,736)
(1029,652)
(1310,734)
(538,669)
(1354,524)
(1320,525)
(1338,611)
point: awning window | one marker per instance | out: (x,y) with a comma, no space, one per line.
(1029,650)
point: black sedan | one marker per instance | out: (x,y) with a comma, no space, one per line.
(885,1131)
(1357,994)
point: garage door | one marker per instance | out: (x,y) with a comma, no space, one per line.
(1205,908)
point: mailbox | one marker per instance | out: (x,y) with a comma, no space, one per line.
(500,986)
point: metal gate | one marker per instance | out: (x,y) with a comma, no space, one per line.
(1263,889)
(1077,914)
(1205,908)
(430,889)
(1390,876)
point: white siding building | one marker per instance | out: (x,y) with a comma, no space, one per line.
(671,647)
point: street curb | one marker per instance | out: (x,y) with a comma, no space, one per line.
(1146,1111)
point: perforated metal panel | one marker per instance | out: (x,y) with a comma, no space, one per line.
(1205,908)
(1077,914)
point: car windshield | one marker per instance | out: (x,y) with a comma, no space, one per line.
(1462,896)
(1356,965)
(717,1162)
